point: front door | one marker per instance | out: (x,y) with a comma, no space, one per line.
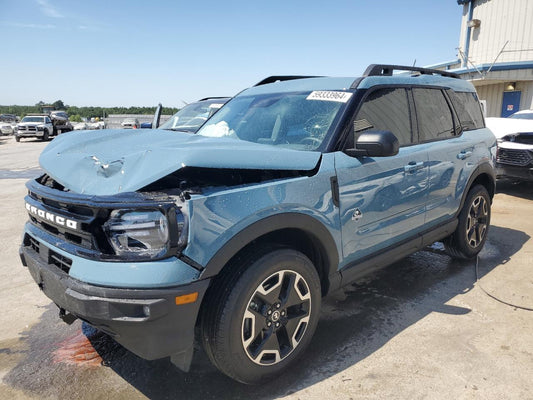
(382,199)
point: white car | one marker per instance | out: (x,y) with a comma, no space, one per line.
(7,128)
(524,114)
(131,123)
(515,145)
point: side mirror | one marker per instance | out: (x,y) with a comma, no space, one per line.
(157,116)
(375,143)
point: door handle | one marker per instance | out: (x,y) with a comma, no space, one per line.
(464,154)
(413,166)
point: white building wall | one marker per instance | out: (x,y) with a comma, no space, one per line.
(493,94)
(502,21)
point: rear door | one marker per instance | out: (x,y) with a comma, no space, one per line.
(449,152)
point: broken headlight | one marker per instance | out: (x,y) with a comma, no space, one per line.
(138,234)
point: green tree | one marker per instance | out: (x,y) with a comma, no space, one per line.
(58,105)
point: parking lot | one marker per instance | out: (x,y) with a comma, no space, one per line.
(421,328)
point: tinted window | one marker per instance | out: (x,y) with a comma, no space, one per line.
(386,109)
(467,107)
(433,114)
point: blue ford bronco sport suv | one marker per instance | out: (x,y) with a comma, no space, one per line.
(296,187)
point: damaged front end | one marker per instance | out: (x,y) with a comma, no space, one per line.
(116,262)
(514,157)
(132,226)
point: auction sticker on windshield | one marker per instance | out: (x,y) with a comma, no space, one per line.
(329,95)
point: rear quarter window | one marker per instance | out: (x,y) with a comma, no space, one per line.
(468,110)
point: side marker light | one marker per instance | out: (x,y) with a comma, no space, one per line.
(186,298)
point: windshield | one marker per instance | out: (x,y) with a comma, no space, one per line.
(191,117)
(33,119)
(298,120)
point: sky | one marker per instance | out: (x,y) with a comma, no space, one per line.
(140,53)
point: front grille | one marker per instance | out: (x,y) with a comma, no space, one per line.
(31,242)
(62,262)
(516,157)
(27,129)
(46,254)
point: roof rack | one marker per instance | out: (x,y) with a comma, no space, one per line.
(275,78)
(387,70)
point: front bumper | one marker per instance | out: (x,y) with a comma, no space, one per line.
(29,133)
(510,171)
(145,321)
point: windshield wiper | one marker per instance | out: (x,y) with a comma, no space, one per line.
(179,130)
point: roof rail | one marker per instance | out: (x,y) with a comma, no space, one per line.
(275,78)
(387,70)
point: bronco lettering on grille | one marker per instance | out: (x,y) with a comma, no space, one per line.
(48,216)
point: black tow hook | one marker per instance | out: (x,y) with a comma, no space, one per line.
(67,317)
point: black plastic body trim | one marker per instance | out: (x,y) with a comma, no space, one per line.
(335,197)
(482,169)
(396,252)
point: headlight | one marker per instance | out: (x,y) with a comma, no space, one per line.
(138,233)
(40,128)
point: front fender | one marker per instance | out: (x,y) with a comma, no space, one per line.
(292,220)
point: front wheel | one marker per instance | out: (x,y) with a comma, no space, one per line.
(474,220)
(261,317)
(45,135)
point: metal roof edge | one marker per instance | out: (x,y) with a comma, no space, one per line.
(506,66)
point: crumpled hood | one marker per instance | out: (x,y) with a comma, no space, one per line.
(107,162)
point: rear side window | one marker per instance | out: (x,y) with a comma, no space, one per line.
(386,109)
(467,107)
(434,116)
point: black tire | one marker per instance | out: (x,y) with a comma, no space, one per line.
(17,138)
(261,316)
(45,135)
(474,221)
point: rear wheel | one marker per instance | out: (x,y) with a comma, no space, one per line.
(474,220)
(262,316)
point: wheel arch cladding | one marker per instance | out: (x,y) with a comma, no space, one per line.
(482,175)
(298,231)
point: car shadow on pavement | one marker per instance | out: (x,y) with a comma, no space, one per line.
(63,361)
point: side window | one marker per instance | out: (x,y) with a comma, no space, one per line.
(468,109)
(433,114)
(47,120)
(386,109)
